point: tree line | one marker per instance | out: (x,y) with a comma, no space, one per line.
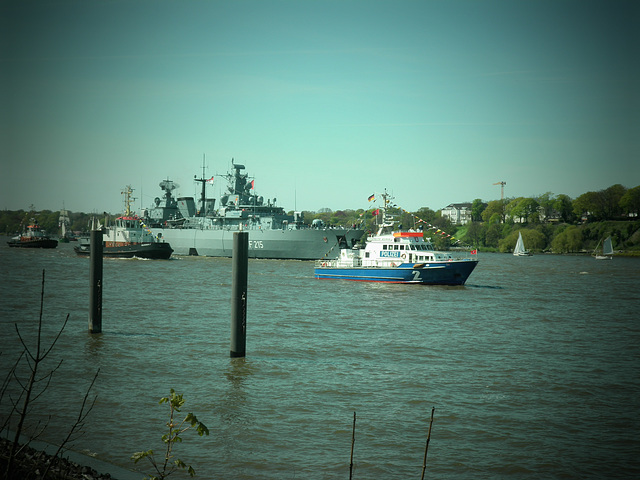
(548,222)
(14,221)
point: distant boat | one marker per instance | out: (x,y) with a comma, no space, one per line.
(33,237)
(63,223)
(607,250)
(520,251)
(128,238)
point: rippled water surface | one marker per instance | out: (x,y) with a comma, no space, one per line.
(532,367)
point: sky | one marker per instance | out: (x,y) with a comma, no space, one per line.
(324,102)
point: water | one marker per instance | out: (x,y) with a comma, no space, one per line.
(532,367)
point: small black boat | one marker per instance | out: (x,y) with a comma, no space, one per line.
(33,237)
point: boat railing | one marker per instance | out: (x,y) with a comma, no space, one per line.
(338,263)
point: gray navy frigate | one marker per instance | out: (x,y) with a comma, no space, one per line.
(200,229)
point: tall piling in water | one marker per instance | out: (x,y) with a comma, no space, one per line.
(239,269)
(95,282)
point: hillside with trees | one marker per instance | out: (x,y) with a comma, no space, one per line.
(549,223)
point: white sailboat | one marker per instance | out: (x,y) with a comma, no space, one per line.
(63,223)
(607,250)
(520,251)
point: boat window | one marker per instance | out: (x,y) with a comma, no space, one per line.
(401,247)
(395,247)
(384,247)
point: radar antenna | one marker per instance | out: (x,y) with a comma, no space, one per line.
(168,185)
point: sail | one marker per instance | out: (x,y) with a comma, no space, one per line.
(519,250)
(63,222)
(607,247)
(63,218)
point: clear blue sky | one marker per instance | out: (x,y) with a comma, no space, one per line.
(324,102)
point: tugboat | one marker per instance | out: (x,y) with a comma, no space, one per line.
(198,228)
(396,257)
(128,238)
(33,237)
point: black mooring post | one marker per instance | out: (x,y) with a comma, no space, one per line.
(95,283)
(239,269)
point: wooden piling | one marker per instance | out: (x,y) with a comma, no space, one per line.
(95,282)
(239,270)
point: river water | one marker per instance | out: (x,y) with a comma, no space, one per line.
(532,367)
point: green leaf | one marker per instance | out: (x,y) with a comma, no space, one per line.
(139,455)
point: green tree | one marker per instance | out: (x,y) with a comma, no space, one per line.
(609,200)
(477,207)
(474,235)
(522,208)
(494,212)
(630,201)
(585,204)
(563,205)
(601,205)
(176,428)
(493,235)
(568,240)
(546,202)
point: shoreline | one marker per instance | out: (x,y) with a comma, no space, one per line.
(37,455)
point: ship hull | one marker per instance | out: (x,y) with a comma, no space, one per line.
(42,243)
(155,251)
(445,273)
(295,244)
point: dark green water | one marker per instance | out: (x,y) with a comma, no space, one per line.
(532,367)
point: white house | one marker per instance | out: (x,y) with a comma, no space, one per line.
(457,213)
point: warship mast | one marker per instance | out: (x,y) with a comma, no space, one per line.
(203,195)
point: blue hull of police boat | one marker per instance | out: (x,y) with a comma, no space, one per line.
(445,273)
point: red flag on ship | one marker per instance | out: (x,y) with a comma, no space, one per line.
(375,212)
(210,180)
(474,252)
(252,184)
